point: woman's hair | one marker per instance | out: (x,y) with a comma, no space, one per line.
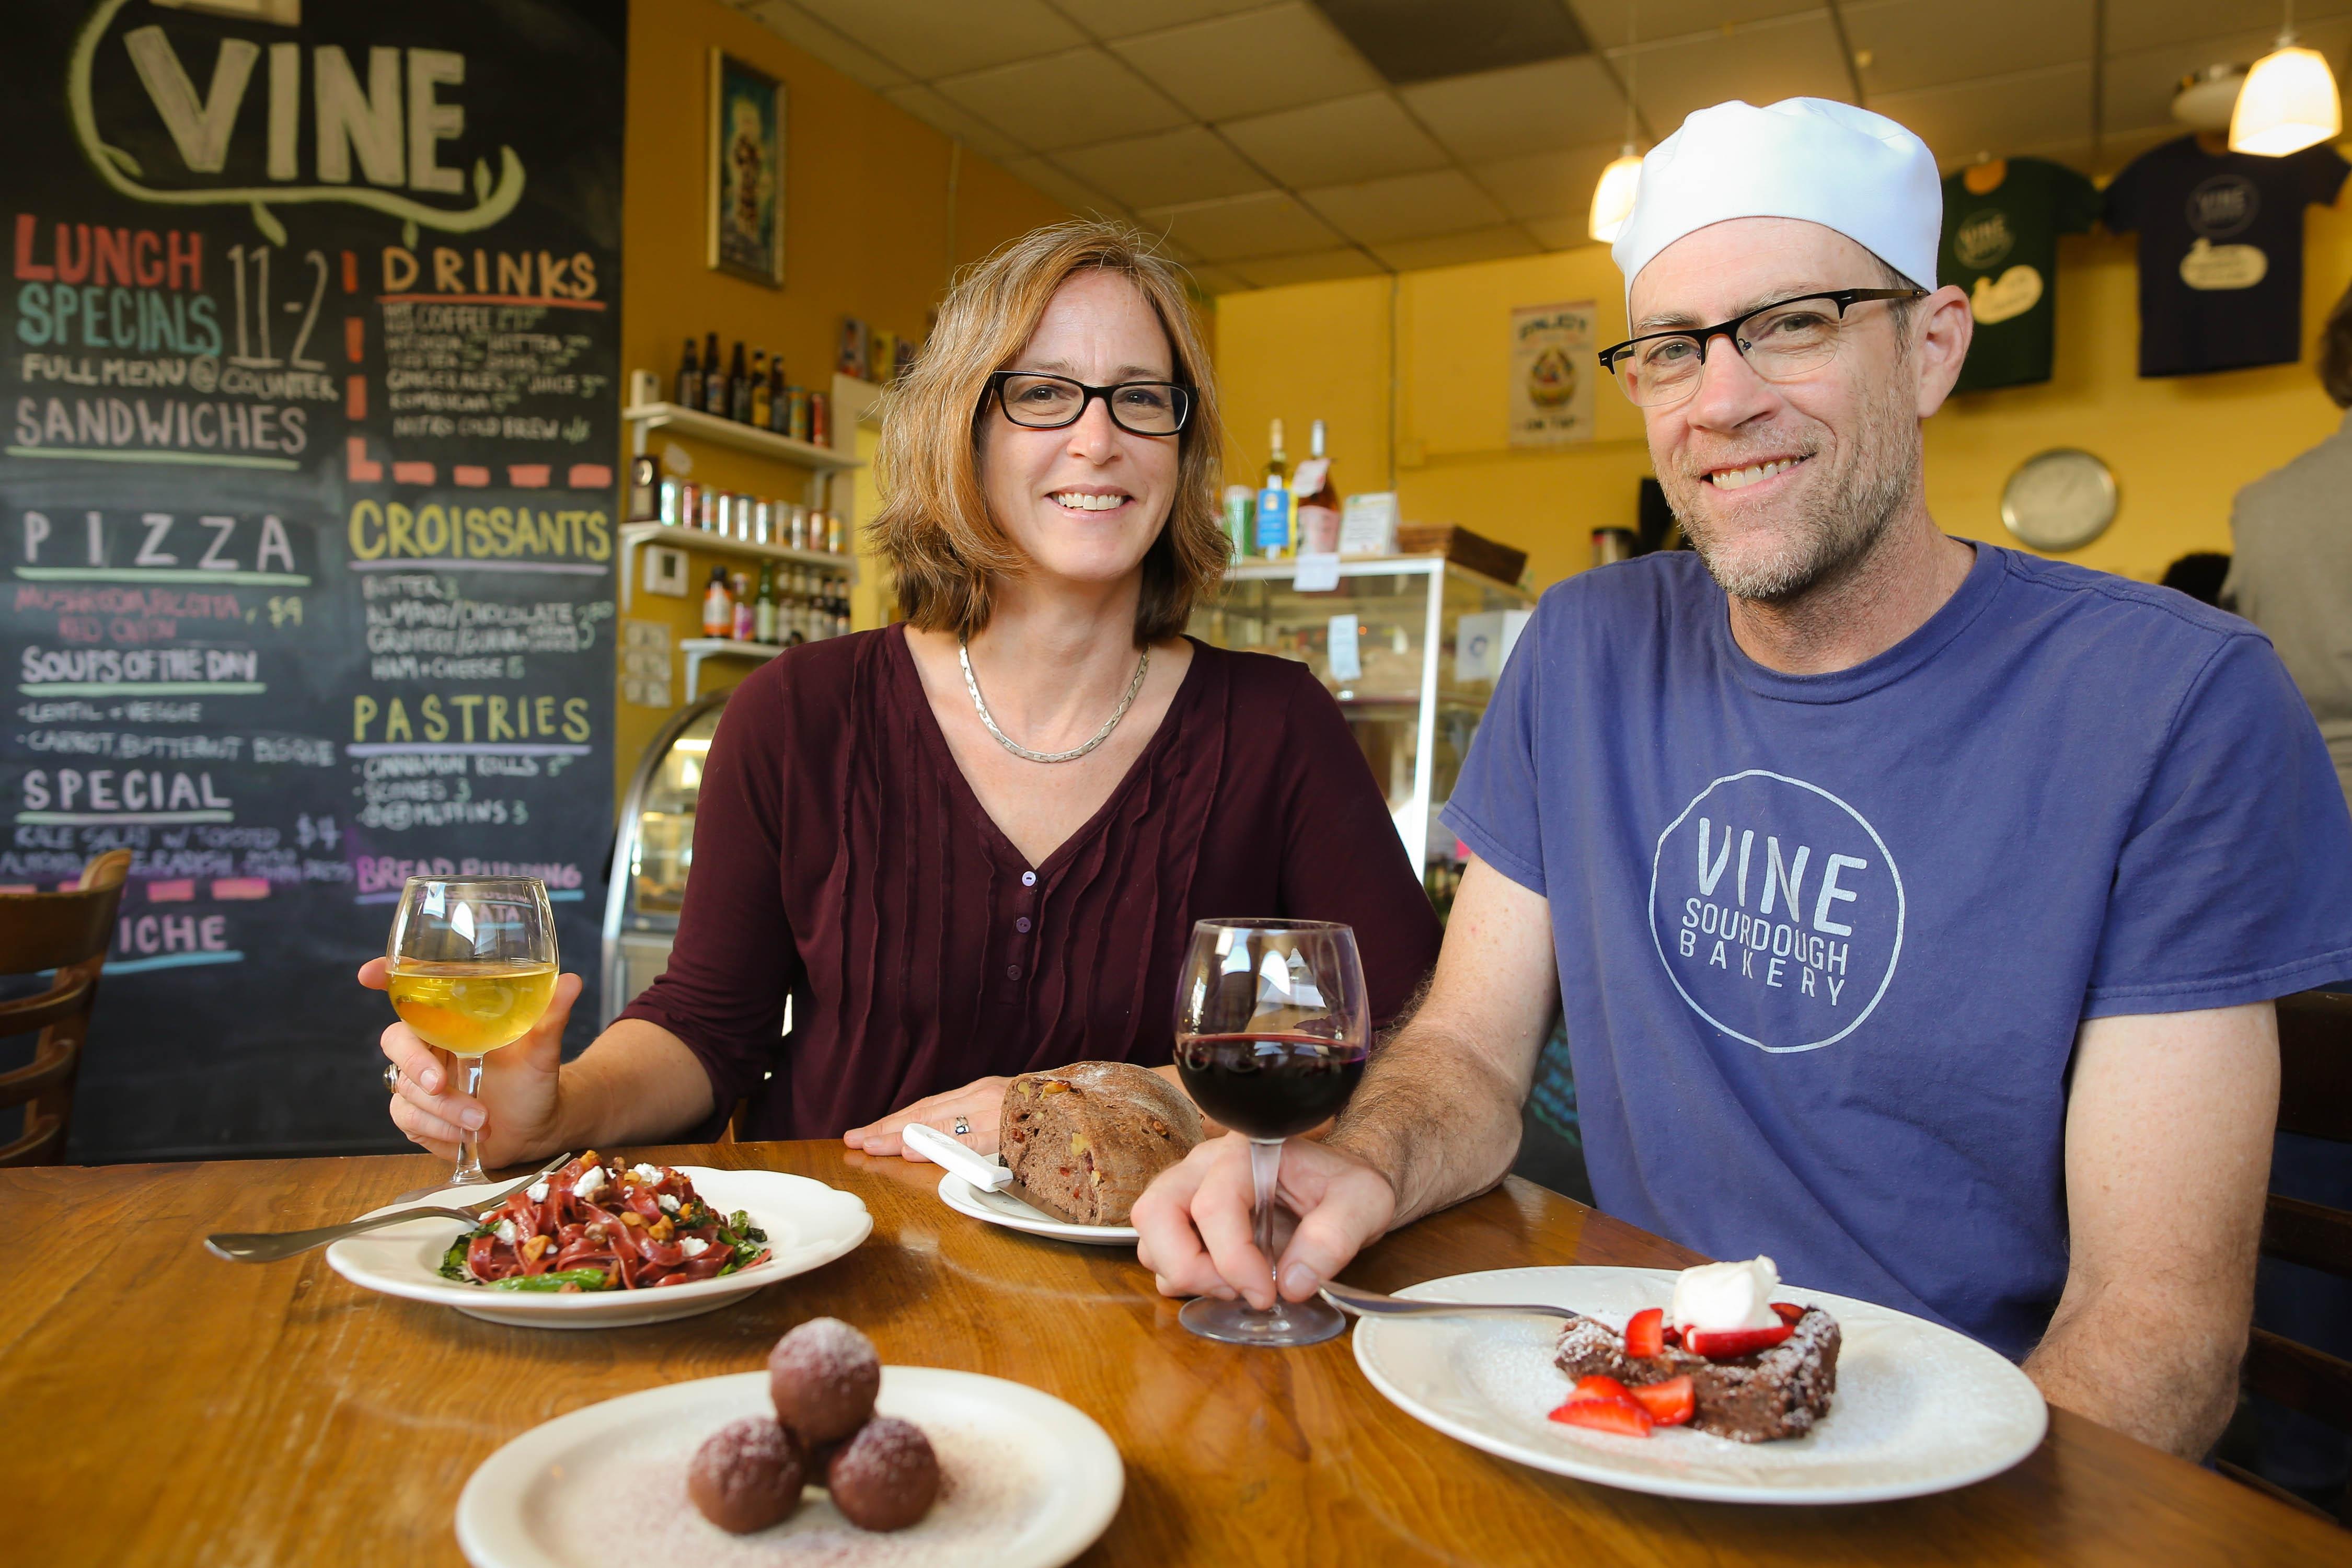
(934,525)
(2335,352)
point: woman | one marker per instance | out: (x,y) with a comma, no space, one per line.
(974,844)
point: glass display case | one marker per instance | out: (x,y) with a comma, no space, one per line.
(653,852)
(1410,645)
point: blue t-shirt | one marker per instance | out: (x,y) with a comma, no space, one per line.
(1825,940)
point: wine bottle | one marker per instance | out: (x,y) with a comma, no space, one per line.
(739,388)
(690,379)
(714,378)
(1275,504)
(761,407)
(763,613)
(744,619)
(1318,498)
(780,406)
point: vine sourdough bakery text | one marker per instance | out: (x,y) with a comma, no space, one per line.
(307,510)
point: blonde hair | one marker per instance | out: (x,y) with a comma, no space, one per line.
(934,525)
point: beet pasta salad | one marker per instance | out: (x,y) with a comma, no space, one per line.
(601,1226)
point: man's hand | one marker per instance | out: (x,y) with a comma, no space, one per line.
(1196,1235)
(2168,1129)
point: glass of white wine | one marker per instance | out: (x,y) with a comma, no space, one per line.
(473,967)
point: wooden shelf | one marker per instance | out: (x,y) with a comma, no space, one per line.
(633,534)
(651,417)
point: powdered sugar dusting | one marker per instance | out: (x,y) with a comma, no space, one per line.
(626,1504)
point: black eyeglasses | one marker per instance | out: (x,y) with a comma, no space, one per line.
(1781,342)
(1051,402)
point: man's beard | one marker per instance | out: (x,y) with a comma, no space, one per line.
(1823,542)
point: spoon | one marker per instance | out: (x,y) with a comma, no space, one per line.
(270,1246)
(1372,1304)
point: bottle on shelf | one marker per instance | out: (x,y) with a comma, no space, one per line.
(718,608)
(763,613)
(714,378)
(1275,504)
(738,405)
(780,406)
(759,404)
(1319,498)
(744,620)
(835,536)
(690,379)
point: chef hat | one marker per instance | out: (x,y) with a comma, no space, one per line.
(1826,163)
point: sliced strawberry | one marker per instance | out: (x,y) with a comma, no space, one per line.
(1670,1403)
(1622,1416)
(1728,1344)
(1645,1333)
(1673,1335)
(1790,1311)
(1598,1387)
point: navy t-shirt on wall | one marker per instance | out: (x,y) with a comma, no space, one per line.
(1824,941)
(2220,251)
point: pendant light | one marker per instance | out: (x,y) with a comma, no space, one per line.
(1612,198)
(2289,101)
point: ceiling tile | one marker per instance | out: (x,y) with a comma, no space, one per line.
(1405,207)
(1547,184)
(936,112)
(1913,42)
(1248,63)
(1067,99)
(1214,280)
(1413,41)
(1272,224)
(2148,23)
(2140,84)
(1358,138)
(1997,114)
(804,32)
(927,38)
(1560,233)
(1188,164)
(1455,249)
(1527,109)
(1074,194)
(1604,21)
(1762,65)
(1125,18)
(1315,267)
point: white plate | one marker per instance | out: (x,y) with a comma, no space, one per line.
(1030,1482)
(808,1224)
(1005,1209)
(1918,1408)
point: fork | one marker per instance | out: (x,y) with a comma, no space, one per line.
(270,1246)
(1372,1304)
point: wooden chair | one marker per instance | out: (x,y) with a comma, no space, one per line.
(2315,1100)
(68,932)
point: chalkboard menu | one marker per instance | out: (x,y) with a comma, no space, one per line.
(308,511)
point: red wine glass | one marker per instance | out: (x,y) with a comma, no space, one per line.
(1272,1033)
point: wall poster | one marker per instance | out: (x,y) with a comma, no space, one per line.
(306,515)
(1553,366)
(747,171)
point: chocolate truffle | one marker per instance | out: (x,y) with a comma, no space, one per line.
(747,1476)
(887,1476)
(823,1376)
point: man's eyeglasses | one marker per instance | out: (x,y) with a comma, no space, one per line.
(1051,402)
(1781,342)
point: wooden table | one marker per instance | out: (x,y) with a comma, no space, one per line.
(161,1407)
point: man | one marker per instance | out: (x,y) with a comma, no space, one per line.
(1916,905)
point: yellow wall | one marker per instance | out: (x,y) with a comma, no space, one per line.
(2180,447)
(867,233)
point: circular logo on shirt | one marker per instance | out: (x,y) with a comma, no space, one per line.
(1983,238)
(1777,909)
(2223,206)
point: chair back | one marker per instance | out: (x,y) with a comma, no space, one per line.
(66,932)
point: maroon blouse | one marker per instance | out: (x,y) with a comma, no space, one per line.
(841,858)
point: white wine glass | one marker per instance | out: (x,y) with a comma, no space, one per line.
(1272,1035)
(473,965)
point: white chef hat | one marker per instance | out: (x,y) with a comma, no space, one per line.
(1826,163)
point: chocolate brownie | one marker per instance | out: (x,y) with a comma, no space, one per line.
(1087,1139)
(1776,1393)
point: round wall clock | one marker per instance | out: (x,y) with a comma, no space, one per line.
(2059,500)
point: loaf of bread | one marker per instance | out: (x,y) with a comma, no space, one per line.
(1087,1139)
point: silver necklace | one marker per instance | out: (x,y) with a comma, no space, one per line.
(972,684)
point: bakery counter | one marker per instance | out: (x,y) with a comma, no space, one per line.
(163,1406)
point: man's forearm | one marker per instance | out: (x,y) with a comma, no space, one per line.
(2131,1361)
(1439,1119)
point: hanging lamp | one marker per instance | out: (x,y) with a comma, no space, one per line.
(1612,198)
(2289,101)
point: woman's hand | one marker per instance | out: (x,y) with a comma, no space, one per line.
(978,1103)
(515,1119)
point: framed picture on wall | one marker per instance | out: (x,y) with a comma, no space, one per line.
(747,171)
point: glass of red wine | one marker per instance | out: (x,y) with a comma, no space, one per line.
(1272,1033)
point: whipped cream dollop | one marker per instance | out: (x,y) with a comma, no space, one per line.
(1717,1297)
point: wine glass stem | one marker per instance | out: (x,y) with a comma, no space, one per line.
(1265,1168)
(469,1155)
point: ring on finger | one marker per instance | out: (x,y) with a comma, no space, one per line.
(392,1078)
(962,1127)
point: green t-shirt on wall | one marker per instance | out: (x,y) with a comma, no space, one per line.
(2002,247)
